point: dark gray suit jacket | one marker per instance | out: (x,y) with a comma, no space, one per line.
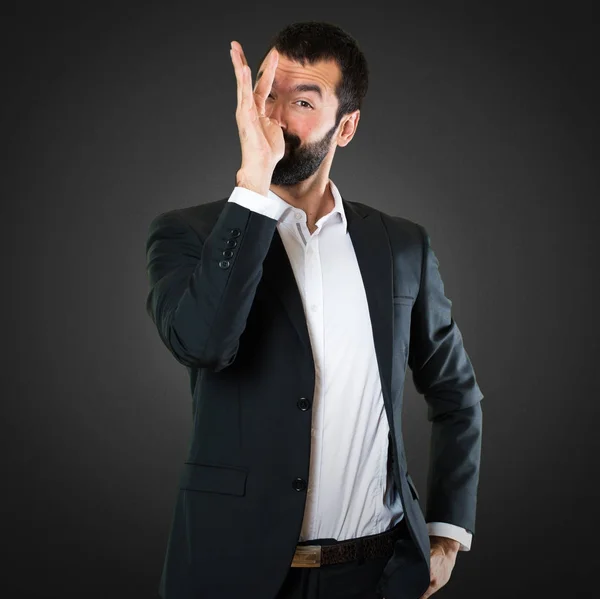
(225,303)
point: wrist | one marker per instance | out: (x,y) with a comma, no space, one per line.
(253,180)
(449,546)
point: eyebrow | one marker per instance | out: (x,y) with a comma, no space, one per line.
(301,87)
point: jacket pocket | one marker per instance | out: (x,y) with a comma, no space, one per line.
(210,478)
(413,488)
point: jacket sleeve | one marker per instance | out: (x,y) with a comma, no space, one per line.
(198,298)
(443,373)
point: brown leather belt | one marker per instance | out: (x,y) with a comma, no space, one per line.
(372,546)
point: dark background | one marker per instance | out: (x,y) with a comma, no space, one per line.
(480,123)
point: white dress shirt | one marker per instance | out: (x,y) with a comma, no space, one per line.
(350,492)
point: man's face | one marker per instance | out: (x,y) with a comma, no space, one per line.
(307,118)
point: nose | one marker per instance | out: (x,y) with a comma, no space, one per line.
(274,109)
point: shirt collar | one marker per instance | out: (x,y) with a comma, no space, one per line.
(288,214)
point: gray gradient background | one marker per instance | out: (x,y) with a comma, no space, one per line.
(480,124)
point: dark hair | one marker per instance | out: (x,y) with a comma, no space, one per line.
(313,41)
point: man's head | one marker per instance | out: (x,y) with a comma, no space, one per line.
(314,121)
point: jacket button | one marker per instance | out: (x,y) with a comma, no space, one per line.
(224,264)
(303,404)
(299,484)
(228,253)
(231,243)
(235,232)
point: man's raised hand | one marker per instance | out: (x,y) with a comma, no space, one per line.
(261,137)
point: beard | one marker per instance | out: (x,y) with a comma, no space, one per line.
(300,162)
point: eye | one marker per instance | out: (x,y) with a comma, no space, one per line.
(311,107)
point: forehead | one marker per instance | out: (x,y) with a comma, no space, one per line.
(325,74)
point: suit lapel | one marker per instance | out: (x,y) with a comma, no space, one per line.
(370,240)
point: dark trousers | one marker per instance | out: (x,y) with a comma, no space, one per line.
(355,579)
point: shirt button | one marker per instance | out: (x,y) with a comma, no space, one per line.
(299,484)
(298,216)
(313,308)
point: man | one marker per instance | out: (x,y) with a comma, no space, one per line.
(296,313)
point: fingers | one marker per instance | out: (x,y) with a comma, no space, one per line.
(238,65)
(244,77)
(238,48)
(246,95)
(265,83)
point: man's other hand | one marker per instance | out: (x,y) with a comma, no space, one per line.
(442,559)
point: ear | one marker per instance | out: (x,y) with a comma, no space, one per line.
(348,128)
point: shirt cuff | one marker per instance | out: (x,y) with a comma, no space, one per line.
(257,202)
(442,529)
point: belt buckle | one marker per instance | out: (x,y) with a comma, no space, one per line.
(307,556)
